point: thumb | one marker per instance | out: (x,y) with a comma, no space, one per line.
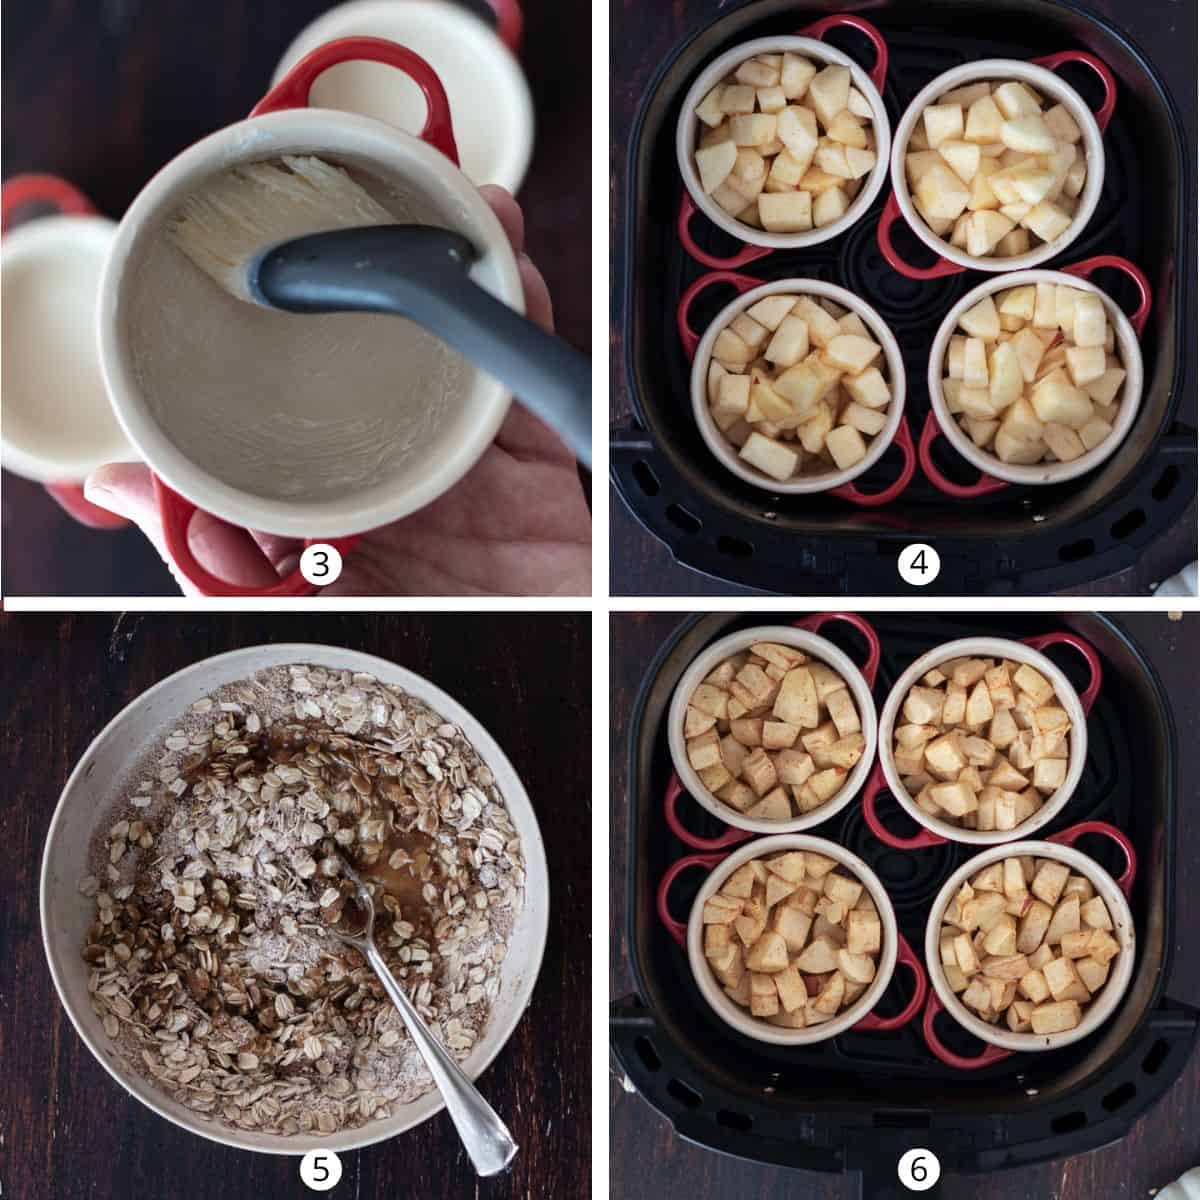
(221,549)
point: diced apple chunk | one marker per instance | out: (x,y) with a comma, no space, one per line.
(714,164)
(830,206)
(846,445)
(786,212)
(769,456)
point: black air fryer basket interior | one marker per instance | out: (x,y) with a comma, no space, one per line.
(835,1105)
(1022,539)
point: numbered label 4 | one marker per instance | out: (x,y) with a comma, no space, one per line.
(919,564)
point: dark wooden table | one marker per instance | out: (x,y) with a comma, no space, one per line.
(641,37)
(69,1131)
(105,92)
(649,1163)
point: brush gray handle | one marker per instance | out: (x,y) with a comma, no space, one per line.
(484,1136)
(420,272)
(549,377)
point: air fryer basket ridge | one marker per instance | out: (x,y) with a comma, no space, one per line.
(1019,540)
(803,1106)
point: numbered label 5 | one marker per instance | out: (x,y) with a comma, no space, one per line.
(320,1170)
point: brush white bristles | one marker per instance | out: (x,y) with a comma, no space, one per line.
(248,209)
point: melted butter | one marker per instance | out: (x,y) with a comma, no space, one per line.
(404,882)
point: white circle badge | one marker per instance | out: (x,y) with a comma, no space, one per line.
(320,1170)
(321,563)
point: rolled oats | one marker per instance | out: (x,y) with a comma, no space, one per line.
(210,965)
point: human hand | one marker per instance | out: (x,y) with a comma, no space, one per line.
(516,524)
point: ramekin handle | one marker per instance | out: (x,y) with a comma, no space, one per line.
(1086,268)
(678,929)
(177,513)
(1068,837)
(815,623)
(1104,113)
(675,790)
(67,199)
(991,1054)
(21,190)
(890,215)
(687,335)
(878,73)
(1096,670)
(984,486)
(903,440)
(510,23)
(292,91)
(905,957)
(878,783)
(749,254)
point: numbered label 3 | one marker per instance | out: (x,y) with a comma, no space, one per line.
(321,563)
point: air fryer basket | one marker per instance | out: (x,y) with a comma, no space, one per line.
(1019,540)
(843,1104)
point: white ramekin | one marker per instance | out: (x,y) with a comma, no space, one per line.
(35,256)
(685,140)
(1047,84)
(94,784)
(1110,995)
(1129,352)
(489,95)
(984,647)
(163,429)
(739,1018)
(726,452)
(814,646)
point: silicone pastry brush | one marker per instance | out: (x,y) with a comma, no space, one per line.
(485,1137)
(306,238)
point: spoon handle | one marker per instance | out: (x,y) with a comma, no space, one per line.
(422,274)
(547,375)
(488,1143)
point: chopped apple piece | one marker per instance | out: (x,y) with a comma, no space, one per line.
(786,212)
(795,76)
(769,456)
(790,343)
(1062,125)
(830,206)
(869,389)
(985,230)
(1016,100)
(1028,134)
(714,164)
(852,353)
(829,92)
(770,311)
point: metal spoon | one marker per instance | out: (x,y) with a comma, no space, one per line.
(486,1138)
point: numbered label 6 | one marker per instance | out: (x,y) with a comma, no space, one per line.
(919,1169)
